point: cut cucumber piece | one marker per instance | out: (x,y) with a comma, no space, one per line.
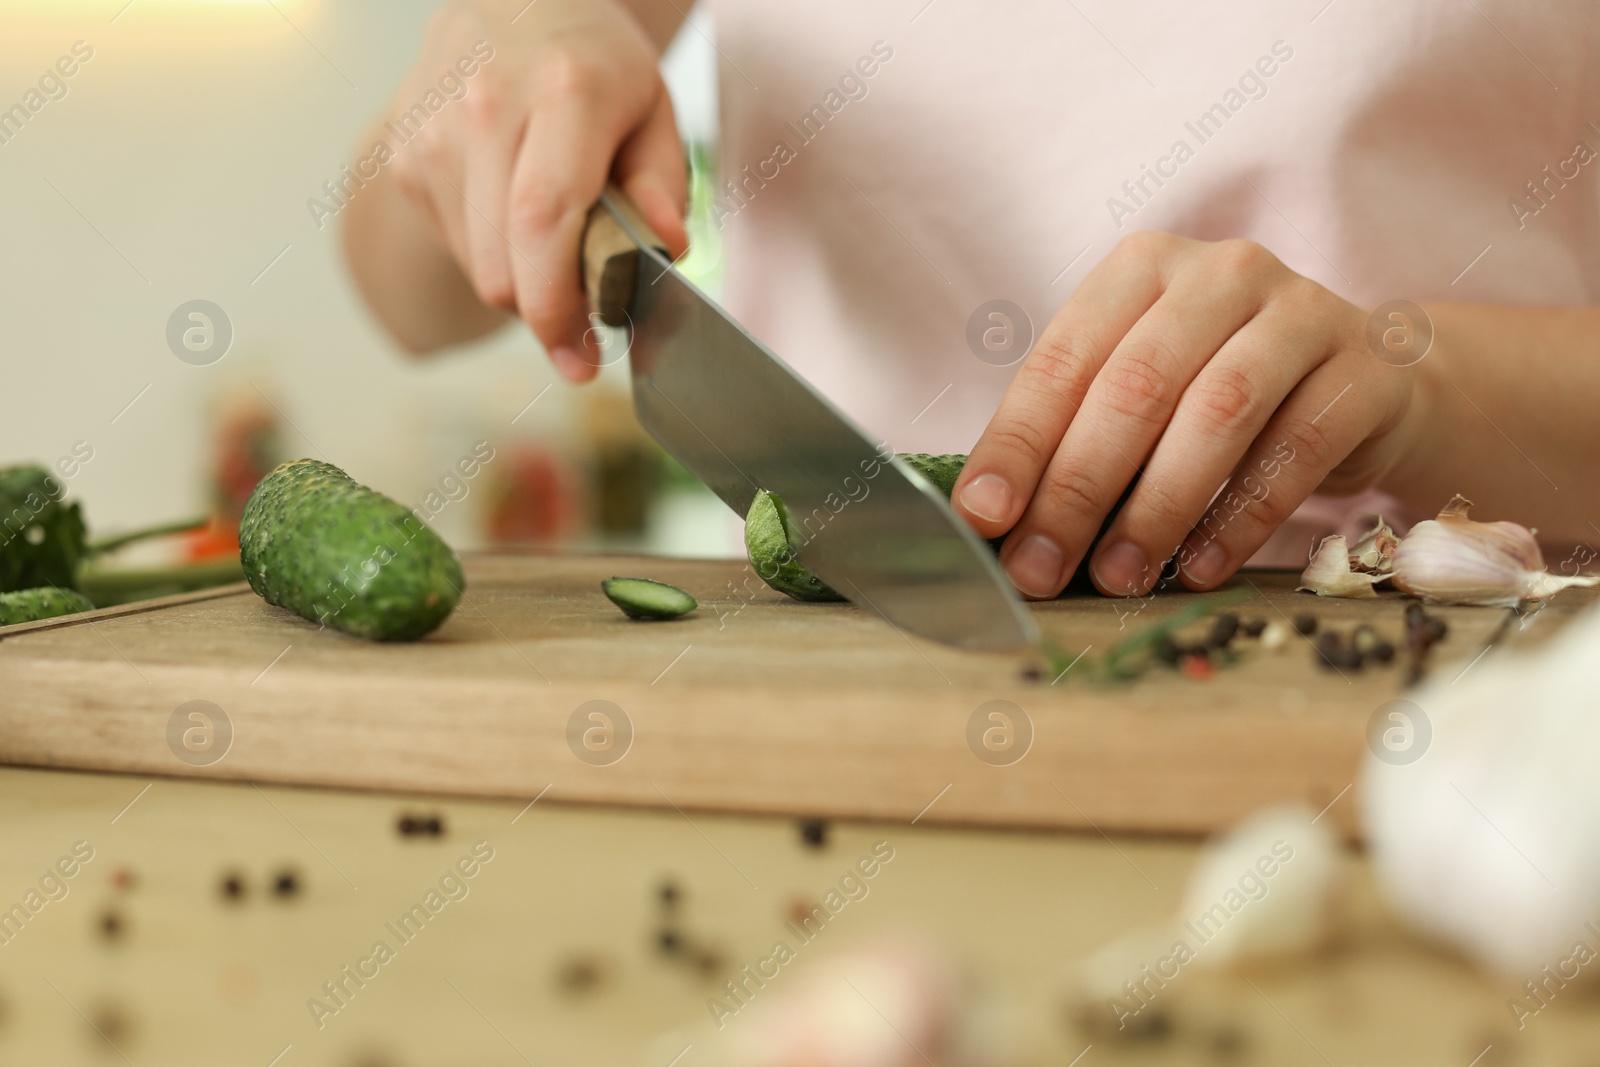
(641,598)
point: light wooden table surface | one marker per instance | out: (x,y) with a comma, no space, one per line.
(193,979)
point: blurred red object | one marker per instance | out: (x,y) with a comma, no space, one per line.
(247,447)
(531,497)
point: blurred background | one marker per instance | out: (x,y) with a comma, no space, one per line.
(176,164)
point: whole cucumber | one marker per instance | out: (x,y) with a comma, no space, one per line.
(26,605)
(769,538)
(330,549)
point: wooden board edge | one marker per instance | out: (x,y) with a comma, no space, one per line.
(137,607)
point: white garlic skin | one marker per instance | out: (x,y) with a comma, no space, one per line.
(1454,560)
(863,1006)
(1329,573)
(1491,840)
(1296,911)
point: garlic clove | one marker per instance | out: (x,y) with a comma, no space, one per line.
(1329,573)
(1374,552)
(1454,560)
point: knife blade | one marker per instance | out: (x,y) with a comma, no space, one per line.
(741,420)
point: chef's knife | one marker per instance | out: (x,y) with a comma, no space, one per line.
(741,420)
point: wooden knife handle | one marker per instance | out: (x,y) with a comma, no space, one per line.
(611,258)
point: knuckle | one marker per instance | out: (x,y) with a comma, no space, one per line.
(1058,362)
(537,210)
(1066,492)
(565,75)
(486,107)
(1144,243)
(1019,438)
(1135,386)
(1239,257)
(1310,446)
(1226,401)
(1158,513)
(1303,298)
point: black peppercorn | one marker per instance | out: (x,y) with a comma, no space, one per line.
(1305,624)
(1253,627)
(286,884)
(1223,630)
(814,832)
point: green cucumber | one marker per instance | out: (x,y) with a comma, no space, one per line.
(331,550)
(770,542)
(26,605)
(641,598)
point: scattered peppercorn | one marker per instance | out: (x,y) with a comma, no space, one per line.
(1223,630)
(420,826)
(669,941)
(708,962)
(580,974)
(668,893)
(1305,624)
(1334,654)
(122,878)
(1383,651)
(1166,650)
(286,884)
(233,886)
(1031,673)
(110,1024)
(111,926)
(814,832)
(1253,627)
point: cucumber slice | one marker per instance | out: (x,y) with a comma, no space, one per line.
(641,598)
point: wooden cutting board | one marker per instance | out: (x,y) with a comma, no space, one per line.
(755,703)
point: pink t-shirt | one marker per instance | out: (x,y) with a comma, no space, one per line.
(909,161)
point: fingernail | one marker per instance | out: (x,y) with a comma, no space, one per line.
(988,496)
(1121,570)
(1206,567)
(1036,566)
(569,363)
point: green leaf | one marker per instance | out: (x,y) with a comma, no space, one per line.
(42,537)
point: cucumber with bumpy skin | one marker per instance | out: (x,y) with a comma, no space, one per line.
(769,535)
(27,605)
(330,549)
(641,598)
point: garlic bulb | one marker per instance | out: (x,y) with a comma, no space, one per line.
(1453,560)
(1329,573)
(1374,552)
(1488,838)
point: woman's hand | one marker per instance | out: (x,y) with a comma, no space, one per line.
(503,178)
(1190,365)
